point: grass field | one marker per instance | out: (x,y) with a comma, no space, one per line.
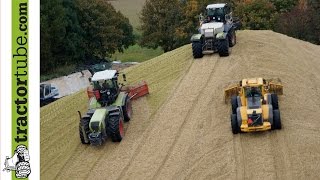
(130,8)
(135,53)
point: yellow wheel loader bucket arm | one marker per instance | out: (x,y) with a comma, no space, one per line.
(275,88)
(231,91)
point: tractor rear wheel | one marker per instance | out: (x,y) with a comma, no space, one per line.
(84,122)
(127,109)
(197,50)
(276,119)
(232,38)
(115,128)
(223,47)
(234,124)
(274,100)
(234,104)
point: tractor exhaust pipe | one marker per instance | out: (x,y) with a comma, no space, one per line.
(80,114)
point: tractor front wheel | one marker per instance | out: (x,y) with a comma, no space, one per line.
(127,109)
(197,50)
(84,126)
(234,104)
(234,124)
(223,47)
(276,119)
(115,128)
(232,38)
(274,100)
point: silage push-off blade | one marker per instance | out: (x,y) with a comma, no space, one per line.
(276,88)
(139,90)
(231,91)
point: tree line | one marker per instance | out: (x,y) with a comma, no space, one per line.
(87,31)
(170,23)
(80,32)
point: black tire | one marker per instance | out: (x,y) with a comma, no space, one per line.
(23,169)
(234,124)
(223,47)
(114,128)
(232,38)
(234,104)
(276,119)
(274,100)
(197,50)
(127,110)
(84,122)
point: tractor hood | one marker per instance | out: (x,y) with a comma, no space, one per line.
(212,28)
(212,25)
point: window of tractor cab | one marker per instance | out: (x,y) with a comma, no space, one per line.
(253,95)
(216,13)
(103,83)
(108,84)
(253,91)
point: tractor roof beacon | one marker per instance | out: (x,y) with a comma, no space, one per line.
(216,31)
(254,105)
(109,107)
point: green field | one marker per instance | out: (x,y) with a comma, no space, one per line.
(135,53)
(131,9)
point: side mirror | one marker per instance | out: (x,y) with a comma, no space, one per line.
(124,77)
(89,79)
(227,17)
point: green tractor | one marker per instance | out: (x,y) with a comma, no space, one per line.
(109,108)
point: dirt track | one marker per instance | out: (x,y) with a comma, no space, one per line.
(189,137)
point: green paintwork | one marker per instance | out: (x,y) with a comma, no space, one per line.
(221,35)
(101,113)
(93,103)
(99,116)
(196,37)
(120,101)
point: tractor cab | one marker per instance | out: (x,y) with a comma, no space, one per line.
(253,96)
(105,86)
(218,13)
(253,91)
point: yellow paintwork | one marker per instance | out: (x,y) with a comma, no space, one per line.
(265,110)
(243,112)
(266,88)
(250,111)
(266,126)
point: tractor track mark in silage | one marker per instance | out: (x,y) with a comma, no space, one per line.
(94,164)
(149,128)
(191,111)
